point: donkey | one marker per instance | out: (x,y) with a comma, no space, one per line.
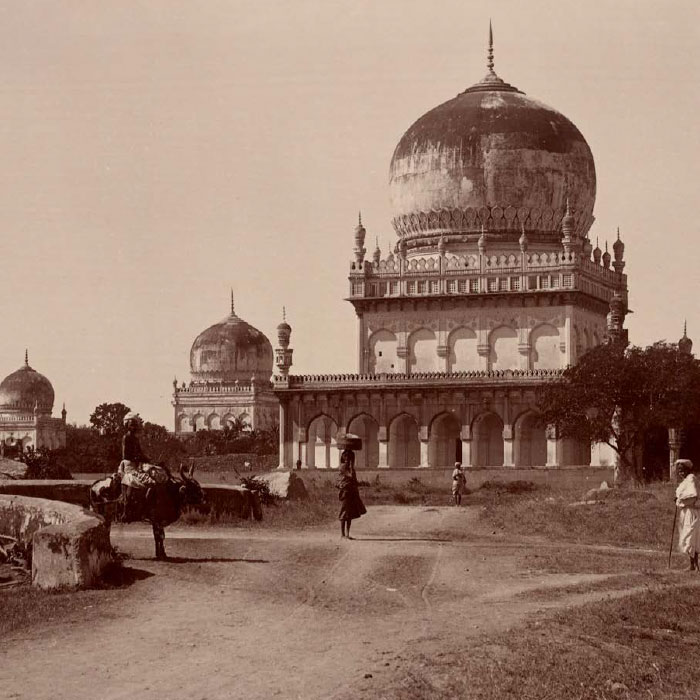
(162,507)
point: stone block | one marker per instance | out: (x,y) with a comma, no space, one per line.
(285,484)
(70,545)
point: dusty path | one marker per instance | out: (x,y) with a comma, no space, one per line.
(263,614)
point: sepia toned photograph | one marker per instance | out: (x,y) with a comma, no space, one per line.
(347,350)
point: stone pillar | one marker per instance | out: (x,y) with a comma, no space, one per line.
(424,445)
(524,349)
(383,438)
(674,451)
(301,446)
(402,354)
(508,460)
(285,439)
(466,438)
(553,447)
(443,361)
(424,463)
(483,350)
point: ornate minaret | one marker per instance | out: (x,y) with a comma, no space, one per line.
(616,333)
(283,354)
(619,252)
(685,344)
(567,229)
(360,234)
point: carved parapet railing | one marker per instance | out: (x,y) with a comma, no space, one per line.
(441,379)
(213,388)
(485,274)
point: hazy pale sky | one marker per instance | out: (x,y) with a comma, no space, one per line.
(154,154)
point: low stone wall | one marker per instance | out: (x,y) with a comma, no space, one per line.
(70,545)
(72,491)
(222,499)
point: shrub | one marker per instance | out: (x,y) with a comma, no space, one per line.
(261,487)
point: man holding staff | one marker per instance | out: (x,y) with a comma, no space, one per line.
(688,506)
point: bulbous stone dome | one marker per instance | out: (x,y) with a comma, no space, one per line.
(231,351)
(25,390)
(490,157)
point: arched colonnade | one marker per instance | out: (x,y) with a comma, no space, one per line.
(403,443)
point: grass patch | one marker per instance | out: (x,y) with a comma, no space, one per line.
(642,646)
(640,517)
(611,583)
(593,561)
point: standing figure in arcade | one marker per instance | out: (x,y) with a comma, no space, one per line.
(351,505)
(687,495)
(459,483)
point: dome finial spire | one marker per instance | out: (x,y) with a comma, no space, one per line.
(359,218)
(489,63)
(233,310)
(284,313)
(26,357)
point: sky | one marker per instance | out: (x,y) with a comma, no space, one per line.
(156,154)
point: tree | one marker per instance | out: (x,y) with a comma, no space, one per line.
(616,395)
(162,446)
(108,418)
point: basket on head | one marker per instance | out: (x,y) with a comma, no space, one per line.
(349,442)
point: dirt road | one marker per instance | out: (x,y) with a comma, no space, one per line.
(262,614)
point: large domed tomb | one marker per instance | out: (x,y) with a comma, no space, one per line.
(231,350)
(491,289)
(490,158)
(25,390)
(230,370)
(26,402)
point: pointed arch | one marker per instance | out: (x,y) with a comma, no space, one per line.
(366,427)
(444,445)
(214,421)
(487,440)
(530,448)
(184,424)
(383,355)
(321,447)
(503,348)
(545,352)
(422,351)
(198,421)
(461,350)
(404,443)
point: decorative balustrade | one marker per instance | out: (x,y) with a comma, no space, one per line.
(480,274)
(333,381)
(243,387)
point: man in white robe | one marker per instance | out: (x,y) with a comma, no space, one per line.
(688,506)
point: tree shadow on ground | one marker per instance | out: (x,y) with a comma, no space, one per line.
(116,575)
(401,539)
(209,560)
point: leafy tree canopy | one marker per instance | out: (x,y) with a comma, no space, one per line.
(616,395)
(108,418)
